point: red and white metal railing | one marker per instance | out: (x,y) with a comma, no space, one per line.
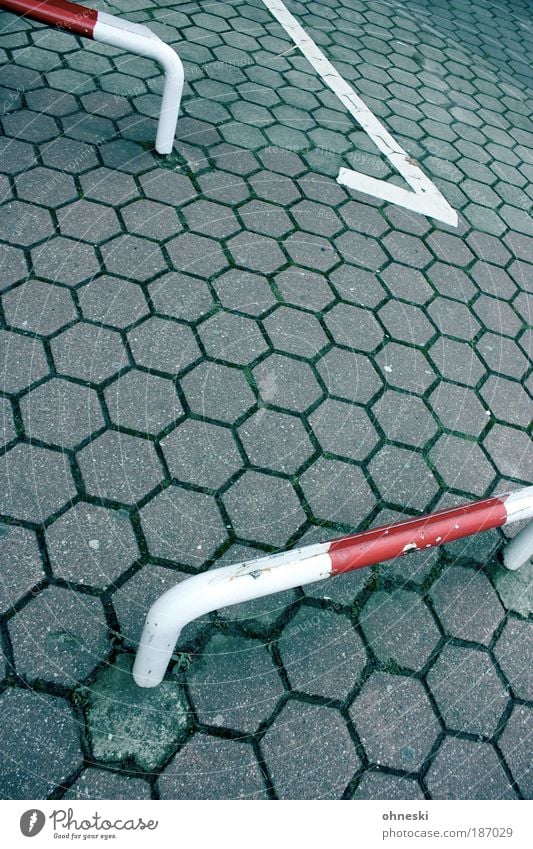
(109,29)
(228,585)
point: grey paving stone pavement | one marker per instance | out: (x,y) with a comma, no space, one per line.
(215,355)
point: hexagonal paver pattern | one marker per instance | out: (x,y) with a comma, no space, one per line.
(234,683)
(103,784)
(463,769)
(253,502)
(201,453)
(512,653)
(134,258)
(34,483)
(59,636)
(88,353)
(20,564)
(91,545)
(163,345)
(395,721)
(515,744)
(452,596)
(404,418)
(142,402)
(309,753)
(321,653)
(285,382)
(120,467)
(113,301)
(217,392)
(343,429)
(275,441)
(337,491)
(399,627)
(38,307)
(232,338)
(403,477)
(61,413)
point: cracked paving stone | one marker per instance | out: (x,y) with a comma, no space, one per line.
(32,763)
(515,744)
(295,332)
(395,721)
(463,769)
(453,594)
(65,261)
(309,752)
(467,690)
(61,413)
(513,653)
(349,375)
(142,402)
(20,564)
(275,441)
(91,545)
(353,327)
(245,292)
(132,257)
(462,464)
(302,288)
(180,296)
(402,477)
(110,300)
(322,653)
(400,627)
(201,453)
(103,784)
(337,492)
(120,467)
(163,345)
(233,338)
(343,429)
(377,785)
(405,418)
(89,353)
(516,589)
(183,526)
(212,768)
(405,368)
(126,721)
(38,307)
(60,636)
(217,392)
(22,361)
(253,505)
(34,483)
(286,382)
(234,683)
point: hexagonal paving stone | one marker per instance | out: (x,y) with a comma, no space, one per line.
(22,361)
(400,627)
(182,526)
(217,392)
(196,255)
(395,721)
(153,220)
(31,723)
(463,769)
(46,186)
(88,221)
(322,653)
(65,261)
(286,382)
(230,337)
(167,186)
(180,296)
(265,218)
(512,652)
(515,744)
(256,253)
(234,683)
(7,425)
(91,545)
(406,323)
(349,375)
(103,784)
(466,604)
(163,345)
(468,691)
(502,355)
(24,224)
(462,464)
(34,482)
(212,768)
(405,368)
(143,402)
(245,292)
(353,327)
(337,492)
(275,441)
(295,332)
(120,467)
(38,307)
(456,361)
(510,451)
(343,429)
(113,301)
(358,249)
(408,284)
(403,477)
(459,409)
(59,636)
(407,249)
(88,352)
(377,785)
(507,400)
(126,721)
(20,564)
(303,288)
(13,266)
(309,753)
(404,418)
(61,413)
(201,453)
(211,219)
(132,257)
(253,505)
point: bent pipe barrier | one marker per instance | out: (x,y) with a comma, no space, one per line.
(240,582)
(111,30)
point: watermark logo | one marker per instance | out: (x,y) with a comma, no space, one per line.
(32,822)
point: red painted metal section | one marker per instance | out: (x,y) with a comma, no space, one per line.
(58,13)
(389,541)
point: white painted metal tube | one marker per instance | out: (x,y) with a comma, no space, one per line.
(520,550)
(140,40)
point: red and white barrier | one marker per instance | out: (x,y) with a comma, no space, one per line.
(109,29)
(228,585)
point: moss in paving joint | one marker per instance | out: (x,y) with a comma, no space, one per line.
(125,721)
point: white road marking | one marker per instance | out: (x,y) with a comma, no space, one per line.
(425,197)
